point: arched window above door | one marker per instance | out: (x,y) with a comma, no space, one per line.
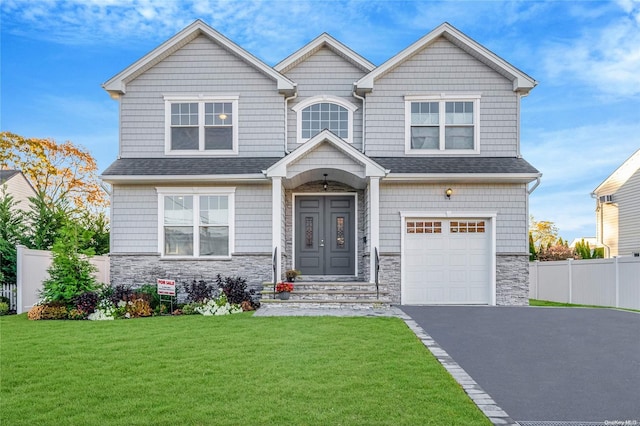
(324,112)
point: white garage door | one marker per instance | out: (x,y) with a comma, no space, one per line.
(446,261)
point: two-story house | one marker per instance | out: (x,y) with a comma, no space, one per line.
(324,163)
(618,210)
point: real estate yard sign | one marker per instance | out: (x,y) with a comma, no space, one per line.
(166,287)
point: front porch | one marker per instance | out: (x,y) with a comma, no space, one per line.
(310,231)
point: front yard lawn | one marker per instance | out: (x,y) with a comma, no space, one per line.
(231,370)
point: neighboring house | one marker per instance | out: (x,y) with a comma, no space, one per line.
(18,187)
(324,160)
(618,210)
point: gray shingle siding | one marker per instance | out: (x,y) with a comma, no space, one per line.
(442,67)
(202,67)
(325,73)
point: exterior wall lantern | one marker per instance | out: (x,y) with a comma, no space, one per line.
(448,192)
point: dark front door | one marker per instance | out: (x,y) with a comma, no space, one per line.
(325,235)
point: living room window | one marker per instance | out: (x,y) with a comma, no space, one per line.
(442,124)
(196,222)
(201,125)
(324,112)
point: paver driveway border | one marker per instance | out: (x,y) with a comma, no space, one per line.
(544,364)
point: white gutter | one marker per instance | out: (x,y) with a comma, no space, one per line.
(254,177)
(463,177)
(364,116)
(286,119)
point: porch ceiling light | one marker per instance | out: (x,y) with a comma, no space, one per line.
(448,192)
(325,184)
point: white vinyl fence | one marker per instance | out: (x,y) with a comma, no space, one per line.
(32,271)
(603,282)
(9,290)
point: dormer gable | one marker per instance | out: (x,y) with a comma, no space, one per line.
(522,83)
(324,40)
(117,85)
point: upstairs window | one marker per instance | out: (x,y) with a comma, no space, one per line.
(196,125)
(324,112)
(441,125)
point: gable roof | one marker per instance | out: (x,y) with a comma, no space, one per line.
(202,168)
(508,169)
(117,85)
(521,81)
(5,175)
(620,176)
(280,168)
(323,40)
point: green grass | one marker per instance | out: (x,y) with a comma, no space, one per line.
(234,370)
(535,302)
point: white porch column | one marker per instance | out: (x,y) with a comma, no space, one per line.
(276,221)
(374,223)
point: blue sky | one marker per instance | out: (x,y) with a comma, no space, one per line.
(578,125)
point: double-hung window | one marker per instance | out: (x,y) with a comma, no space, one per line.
(442,124)
(201,124)
(324,112)
(196,222)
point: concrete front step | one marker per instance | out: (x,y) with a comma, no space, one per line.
(328,304)
(328,295)
(325,292)
(328,286)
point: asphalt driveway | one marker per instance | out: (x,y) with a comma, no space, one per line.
(545,364)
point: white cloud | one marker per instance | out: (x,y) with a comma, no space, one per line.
(607,57)
(583,154)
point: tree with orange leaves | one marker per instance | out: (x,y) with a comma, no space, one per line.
(59,171)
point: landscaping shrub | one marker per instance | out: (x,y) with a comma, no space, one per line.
(218,306)
(138,308)
(118,293)
(199,291)
(190,308)
(35,313)
(71,272)
(54,311)
(77,314)
(235,288)
(4,308)
(87,301)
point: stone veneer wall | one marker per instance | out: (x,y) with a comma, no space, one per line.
(512,280)
(389,275)
(135,270)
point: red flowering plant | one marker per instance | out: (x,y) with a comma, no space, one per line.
(284,287)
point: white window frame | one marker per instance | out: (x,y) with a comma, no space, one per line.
(200,100)
(196,192)
(321,99)
(442,99)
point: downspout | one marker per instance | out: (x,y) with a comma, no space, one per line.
(601,208)
(286,120)
(518,154)
(364,116)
